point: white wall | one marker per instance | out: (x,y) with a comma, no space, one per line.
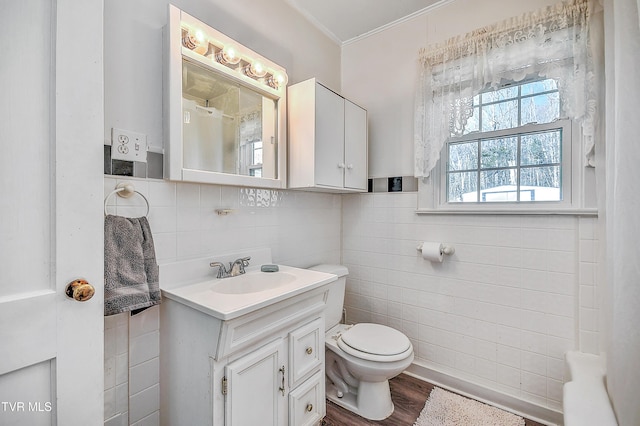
(622,203)
(500,313)
(509,337)
(380,71)
(302,229)
(519,291)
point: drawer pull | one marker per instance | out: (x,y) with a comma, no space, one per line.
(281,389)
(309,350)
(309,407)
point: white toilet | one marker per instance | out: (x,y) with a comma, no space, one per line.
(360,359)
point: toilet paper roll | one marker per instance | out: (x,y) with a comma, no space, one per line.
(432,252)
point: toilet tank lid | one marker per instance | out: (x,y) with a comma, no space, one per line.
(338,270)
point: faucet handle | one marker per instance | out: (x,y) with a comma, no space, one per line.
(222,271)
(245,260)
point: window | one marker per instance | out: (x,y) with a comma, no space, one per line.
(250,133)
(513,148)
(483,146)
(255,168)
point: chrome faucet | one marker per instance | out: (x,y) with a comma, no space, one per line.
(235,268)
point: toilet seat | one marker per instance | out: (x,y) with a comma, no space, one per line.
(375,342)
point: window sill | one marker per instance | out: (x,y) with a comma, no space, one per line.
(509,211)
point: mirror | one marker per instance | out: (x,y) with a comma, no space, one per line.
(226,127)
(225,114)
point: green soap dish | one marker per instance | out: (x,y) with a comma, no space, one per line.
(269,268)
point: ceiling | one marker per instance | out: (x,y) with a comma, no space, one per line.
(345,20)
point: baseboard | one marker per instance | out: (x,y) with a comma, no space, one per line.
(483,394)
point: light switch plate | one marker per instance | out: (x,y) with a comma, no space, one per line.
(128,145)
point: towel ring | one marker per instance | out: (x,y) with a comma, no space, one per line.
(125,190)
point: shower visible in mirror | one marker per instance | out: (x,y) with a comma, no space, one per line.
(227,128)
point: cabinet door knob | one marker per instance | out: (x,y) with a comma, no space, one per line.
(350,166)
(341,165)
(309,350)
(309,407)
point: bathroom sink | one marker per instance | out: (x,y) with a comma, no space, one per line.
(252,282)
(228,298)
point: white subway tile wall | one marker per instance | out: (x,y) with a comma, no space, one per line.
(302,229)
(518,293)
(589,299)
(501,312)
(116,370)
(144,362)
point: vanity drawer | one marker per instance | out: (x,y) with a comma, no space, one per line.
(307,405)
(306,350)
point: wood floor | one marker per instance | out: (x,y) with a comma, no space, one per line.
(409,395)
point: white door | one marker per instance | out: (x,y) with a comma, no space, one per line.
(329,149)
(51,131)
(257,387)
(355,146)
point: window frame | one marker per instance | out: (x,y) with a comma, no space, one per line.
(578,180)
(566,163)
(432,197)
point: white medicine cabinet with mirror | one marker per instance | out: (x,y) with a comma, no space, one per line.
(224,108)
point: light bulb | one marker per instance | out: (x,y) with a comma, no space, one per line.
(256,70)
(278,80)
(200,36)
(228,55)
(196,42)
(281,79)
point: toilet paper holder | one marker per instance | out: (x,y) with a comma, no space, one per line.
(444,248)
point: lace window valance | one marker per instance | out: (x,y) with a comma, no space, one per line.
(549,43)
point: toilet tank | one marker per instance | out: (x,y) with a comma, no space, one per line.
(335,299)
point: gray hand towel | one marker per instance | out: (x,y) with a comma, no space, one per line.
(131,273)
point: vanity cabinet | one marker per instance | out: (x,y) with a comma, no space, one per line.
(261,384)
(327,140)
(262,368)
(253,387)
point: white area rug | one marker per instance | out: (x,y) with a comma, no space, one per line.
(448,409)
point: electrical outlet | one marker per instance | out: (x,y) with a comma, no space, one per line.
(129,146)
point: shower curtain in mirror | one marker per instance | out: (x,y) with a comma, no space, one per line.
(203,137)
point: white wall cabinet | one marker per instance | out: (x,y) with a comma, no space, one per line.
(327,140)
(263,368)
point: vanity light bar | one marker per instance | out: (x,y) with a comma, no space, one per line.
(229,55)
